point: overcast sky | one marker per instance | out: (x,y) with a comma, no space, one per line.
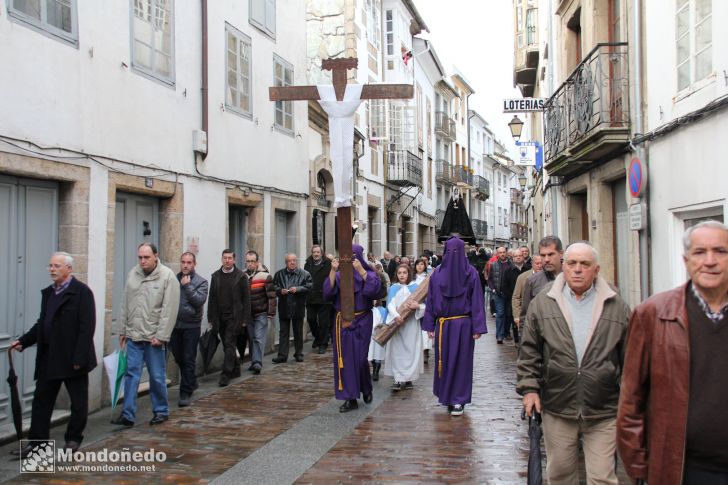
(476,36)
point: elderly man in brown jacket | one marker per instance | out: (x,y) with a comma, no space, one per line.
(671,425)
(569,367)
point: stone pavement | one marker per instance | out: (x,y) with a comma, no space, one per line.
(283,426)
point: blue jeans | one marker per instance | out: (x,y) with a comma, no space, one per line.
(138,354)
(184,348)
(258,331)
(500,317)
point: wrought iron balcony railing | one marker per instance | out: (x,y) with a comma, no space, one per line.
(481,186)
(516,196)
(443,172)
(587,118)
(461,175)
(519,231)
(444,125)
(404,169)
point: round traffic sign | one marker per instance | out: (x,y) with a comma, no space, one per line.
(635,177)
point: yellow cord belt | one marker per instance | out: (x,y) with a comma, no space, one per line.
(442,321)
(338,343)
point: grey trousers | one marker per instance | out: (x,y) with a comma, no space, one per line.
(258,332)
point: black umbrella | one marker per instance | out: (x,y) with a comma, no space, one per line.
(535,473)
(15,397)
(209,342)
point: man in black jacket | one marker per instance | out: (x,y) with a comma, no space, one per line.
(65,337)
(496,277)
(509,286)
(318,311)
(186,333)
(229,309)
(291,285)
(390,266)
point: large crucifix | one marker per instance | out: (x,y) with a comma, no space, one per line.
(340,102)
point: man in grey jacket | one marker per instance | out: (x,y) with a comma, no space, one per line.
(570,364)
(186,332)
(291,285)
(147,316)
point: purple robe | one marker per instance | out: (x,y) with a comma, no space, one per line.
(353,378)
(454,346)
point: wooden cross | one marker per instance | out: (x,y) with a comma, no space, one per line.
(338,68)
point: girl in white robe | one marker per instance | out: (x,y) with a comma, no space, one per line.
(422,269)
(403,359)
(376,351)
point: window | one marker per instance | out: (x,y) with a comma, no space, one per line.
(56,17)
(505,217)
(428,113)
(153,38)
(500,216)
(693,41)
(531,26)
(389,29)
(418,102)
(374,23)
(283,76)
(519,22)
(237,88)
(262,15)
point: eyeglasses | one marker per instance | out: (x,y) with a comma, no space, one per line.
(55,266)
(250,261)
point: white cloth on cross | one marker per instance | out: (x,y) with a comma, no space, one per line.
(341,137)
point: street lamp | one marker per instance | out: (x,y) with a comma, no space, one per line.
(522,180)
(516,126)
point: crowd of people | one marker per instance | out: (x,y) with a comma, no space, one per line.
(644,383)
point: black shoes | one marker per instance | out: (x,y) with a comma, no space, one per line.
(256,368)
(279,360)
(322,349)
(397,386)
(299,358)
(224,380)
(427,356)
(158,419)
(499,341)
(122,421)
(368,397)
(349,406)
(184,400)
(408,385)
(457,410)
(72,445)
(376,367)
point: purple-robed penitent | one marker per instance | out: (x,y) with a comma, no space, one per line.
(354,340)
(454,291)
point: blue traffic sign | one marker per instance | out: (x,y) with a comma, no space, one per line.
(635,177)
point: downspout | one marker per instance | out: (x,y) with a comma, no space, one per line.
(552,55)
(645,289)
(205,92)
(467,121)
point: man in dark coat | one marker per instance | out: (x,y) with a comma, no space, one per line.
(229,309)
(292,285)
(389,265)
(496,278)
(64,333)
(509,287)
(186,333)
(318,310)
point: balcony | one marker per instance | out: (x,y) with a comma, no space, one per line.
(481,187)
(516,196)
(525,60)
(445,126)
(462,176)
(443,172)
(519,231)
(587,118)
(480,228)
(404,169)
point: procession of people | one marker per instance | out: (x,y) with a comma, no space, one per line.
(587,365)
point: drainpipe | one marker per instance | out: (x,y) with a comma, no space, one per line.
(552,55)
(642,154)
(205,92)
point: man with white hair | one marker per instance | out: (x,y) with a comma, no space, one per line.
(64,333)
(670,425)
(569,367)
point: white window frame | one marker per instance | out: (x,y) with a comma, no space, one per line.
(374,24)
(689,8)
(42,26)
(286,107)
(389,33)
(152,73)
(241,39)
(267,25)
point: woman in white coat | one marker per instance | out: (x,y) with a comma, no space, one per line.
(403,359)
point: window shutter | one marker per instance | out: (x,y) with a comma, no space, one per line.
(270,17)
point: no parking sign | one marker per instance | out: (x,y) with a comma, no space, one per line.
(636,177)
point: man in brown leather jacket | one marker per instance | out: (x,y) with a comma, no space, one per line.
(671,425)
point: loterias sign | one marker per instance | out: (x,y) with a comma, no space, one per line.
(523,105)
